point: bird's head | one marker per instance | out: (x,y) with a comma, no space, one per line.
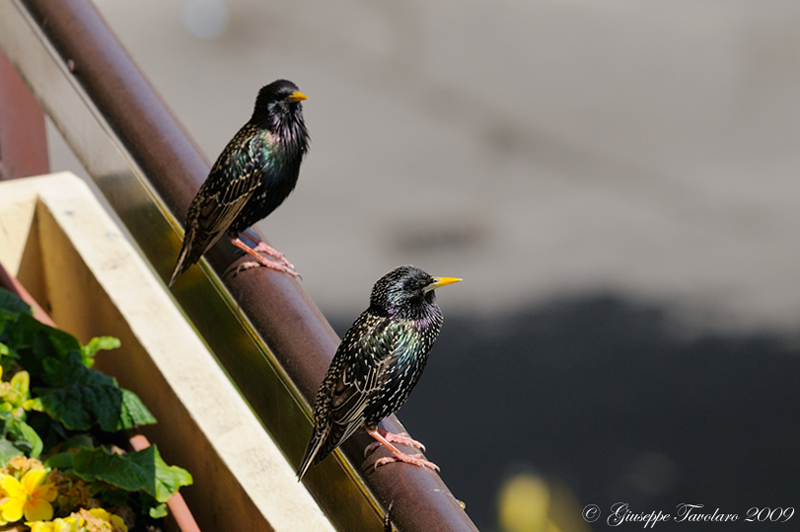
(406,291)
(280,98)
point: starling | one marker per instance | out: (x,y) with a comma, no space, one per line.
(253,175)
(377,364)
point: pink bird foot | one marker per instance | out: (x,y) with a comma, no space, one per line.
(266,249)
(385,438)
(284,266)
(413,459)
(402,438)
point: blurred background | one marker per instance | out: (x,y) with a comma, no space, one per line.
(616,182)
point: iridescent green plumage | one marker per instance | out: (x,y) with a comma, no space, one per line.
(379,360)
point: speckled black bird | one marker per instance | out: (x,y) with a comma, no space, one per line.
(376,366)
(251,178)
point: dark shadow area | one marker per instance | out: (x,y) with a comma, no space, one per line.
(613,399)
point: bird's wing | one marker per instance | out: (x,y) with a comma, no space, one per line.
(232,181)
(379,349)
(370,350)
(230,185)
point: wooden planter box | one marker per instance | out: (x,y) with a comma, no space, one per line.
(75,260)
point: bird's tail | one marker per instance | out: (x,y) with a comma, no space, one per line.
(317,439)
(190,253)
(180,266)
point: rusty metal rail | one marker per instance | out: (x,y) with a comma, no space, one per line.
(262,327)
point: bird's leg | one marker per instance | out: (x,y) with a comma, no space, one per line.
(399,456)
(402,438)
(261,260)
(263,247)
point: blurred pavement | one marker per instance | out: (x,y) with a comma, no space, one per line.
(533,148)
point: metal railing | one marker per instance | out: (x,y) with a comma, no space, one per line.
(262,327)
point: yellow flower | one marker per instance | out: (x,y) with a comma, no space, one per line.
(72,523)
(29,497)
(115,522)
(42,526)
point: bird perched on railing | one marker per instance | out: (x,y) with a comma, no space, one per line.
(377,364)
(254,174)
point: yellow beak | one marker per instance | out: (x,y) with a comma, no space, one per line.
(442,281)
(297,96)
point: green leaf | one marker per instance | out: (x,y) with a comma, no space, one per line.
(20,389)
(64,343)
(7,357)
(158,511)
(77,441)
(6,351)
(60,461)
(112,496)
(11,308)
(23,437)
(82,398)
(30,436)
(39,347)
(118,470)
(133,413)
(6,412)
(13,304)
(152,507)
(169,478)
(144,470)
(96,344)
(7,451)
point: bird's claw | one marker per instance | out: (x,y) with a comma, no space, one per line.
(268,250)
(280,263)
(268,264)
(371,447)
(415,459)
(402,438)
